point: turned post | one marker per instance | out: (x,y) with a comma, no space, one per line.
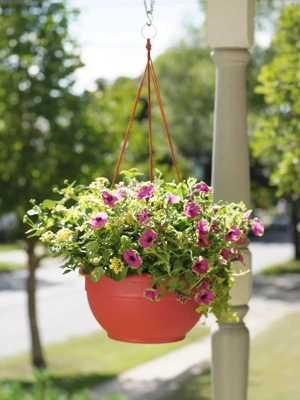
(230,28)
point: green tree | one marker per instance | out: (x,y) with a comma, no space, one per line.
(47,133)
(277,138)
(186,75)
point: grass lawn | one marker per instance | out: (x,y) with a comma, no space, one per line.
(288,267)
(18,245)
(10,267)
(274,367)
(87,361)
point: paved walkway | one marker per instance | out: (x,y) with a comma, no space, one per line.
(273,298)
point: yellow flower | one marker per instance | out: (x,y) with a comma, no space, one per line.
(47,236)
(116,264)
(107,226)
(129,219)
(64,234)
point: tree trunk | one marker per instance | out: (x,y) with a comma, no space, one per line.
(37,357)
(295,221)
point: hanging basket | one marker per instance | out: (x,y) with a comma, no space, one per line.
(127,316)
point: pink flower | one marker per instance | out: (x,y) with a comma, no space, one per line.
(147,238)
(192,210)
(200,267)
(203,242)
(143,216)
(181,297)
(108,198)
(225,254)
(241,240)
(233,234)
(132,258)
(257,227)
(99,220)
(205,297)
(202,227)
(204,284)
(171,199)
(145,192)
(202,186)
(236,255)
(152,294)
(120,193)
(214,228)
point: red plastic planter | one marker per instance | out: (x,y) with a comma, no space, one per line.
(127,316)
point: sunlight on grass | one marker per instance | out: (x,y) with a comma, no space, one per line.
(11,266)
(86,361)
(18,245)
(288,267)
(274,367)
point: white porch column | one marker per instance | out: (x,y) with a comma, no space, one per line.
(230,27)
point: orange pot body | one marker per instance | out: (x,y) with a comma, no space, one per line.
(127,316)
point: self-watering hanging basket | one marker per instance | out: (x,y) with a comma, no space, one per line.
(156,255)
(119,306)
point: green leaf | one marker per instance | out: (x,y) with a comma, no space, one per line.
(92,249)
(189,277)
(49,204)
(172,284)
(181,284)
(97,274)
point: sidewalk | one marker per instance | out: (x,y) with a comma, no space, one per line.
(272,299)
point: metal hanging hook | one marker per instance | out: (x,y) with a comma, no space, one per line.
(150,18)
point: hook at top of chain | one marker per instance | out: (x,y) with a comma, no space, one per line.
(149,11)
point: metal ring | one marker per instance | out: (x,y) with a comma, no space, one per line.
(145,35)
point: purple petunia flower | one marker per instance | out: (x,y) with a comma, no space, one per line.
(236,255)
(152,294)
(192,210)
(202,227)
(143,216)
(233,235)
(181,297)
(132,258)
(257,227)
(204,284)
(147,238)
(99,220)
(120,193)
(225,254)
(215,228)
(171,199)
(241,240)
(200,266)
(108,198)
(145,192)
(205,298)
(202,186)
(203,242)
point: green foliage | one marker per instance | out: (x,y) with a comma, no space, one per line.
(186,76)
(278,135)
(46,131)
(43,390)
(171,231)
